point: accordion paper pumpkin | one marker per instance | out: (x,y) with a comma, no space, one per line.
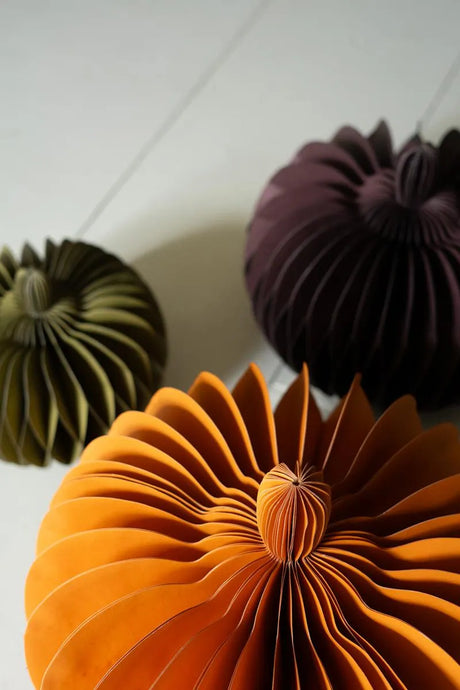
(208,543)
(353,264)
(82,339)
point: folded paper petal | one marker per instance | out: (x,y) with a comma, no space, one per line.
(353,264)
(82,340)
(208,543)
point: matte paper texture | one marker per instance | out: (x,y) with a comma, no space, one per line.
(208,543)
(82,339)
(353,264)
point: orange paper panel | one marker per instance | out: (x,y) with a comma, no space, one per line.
(209,544)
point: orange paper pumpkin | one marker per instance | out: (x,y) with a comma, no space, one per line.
(209,544)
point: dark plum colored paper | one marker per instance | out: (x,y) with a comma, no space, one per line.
(353,264)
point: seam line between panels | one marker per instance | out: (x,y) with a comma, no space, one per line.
(175,114)
(439,94)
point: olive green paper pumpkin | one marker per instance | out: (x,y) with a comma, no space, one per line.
(81,340)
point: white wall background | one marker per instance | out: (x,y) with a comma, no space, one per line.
(149,127)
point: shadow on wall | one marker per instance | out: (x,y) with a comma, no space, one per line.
(198,280)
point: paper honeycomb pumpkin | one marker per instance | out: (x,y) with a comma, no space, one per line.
(353,264)
(209,544)
(82,339)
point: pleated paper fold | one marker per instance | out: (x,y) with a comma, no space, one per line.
(82,339)
(353,264)
(207,543)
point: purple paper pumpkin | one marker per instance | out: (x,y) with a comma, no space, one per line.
(353,264)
